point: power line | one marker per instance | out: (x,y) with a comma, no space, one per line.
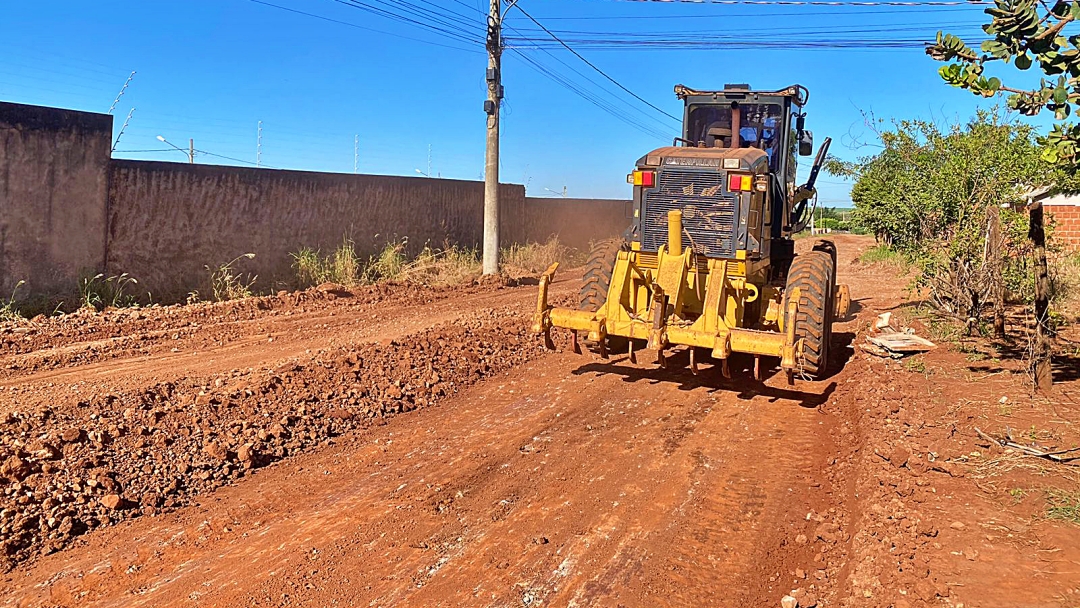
(915,3)
(238,160)
(361,27)
(454,33)
(594,83)
(757,14)
(587,96)
(593,66)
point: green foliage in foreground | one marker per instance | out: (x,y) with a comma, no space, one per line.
(1026,34)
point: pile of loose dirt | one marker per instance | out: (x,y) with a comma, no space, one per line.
(86,336)
(68,469)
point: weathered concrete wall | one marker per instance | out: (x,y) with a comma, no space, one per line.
(576,221)
(53,188)
(67,209)
(170,220)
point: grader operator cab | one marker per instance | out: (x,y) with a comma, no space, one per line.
(709,262)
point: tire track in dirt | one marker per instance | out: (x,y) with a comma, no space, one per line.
(553,484)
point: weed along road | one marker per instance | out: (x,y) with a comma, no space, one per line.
(324,448)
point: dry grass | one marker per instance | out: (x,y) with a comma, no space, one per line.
(388,264)
(100,292)
(532,259)
(448,266)
(228,283)
(1063,505)
(8,311)
(342,266)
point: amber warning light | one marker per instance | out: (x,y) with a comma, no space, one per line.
(739,183)
(645,179)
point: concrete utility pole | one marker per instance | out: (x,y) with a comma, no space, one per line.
(491,108)
(258,147)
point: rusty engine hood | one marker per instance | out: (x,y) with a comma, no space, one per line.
(750,159)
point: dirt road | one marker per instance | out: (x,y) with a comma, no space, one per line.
(409,447)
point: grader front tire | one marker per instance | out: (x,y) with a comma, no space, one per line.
(814,274)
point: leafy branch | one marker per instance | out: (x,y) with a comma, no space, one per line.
(1025,32)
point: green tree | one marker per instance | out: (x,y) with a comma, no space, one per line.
(1026,33)
(934,194)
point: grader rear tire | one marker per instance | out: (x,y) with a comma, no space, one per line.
(814,274)
(597,279)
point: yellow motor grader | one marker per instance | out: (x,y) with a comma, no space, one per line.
(709,262)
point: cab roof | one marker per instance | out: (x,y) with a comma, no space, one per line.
(797,92)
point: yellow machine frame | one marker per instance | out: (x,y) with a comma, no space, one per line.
(694,302)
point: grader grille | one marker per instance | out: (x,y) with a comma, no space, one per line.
(709,212)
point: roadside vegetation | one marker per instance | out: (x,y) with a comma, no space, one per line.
(100,291)
(1019,36)
(436,266)
(950,205)
(8,310)
(227,282)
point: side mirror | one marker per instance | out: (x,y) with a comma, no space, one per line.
(806,143)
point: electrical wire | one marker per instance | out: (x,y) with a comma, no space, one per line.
(580,91)
(593,66)
(593,99)
(631,106)
(365,28)
(454,33)
(231,159)
(912,3)
(831,11)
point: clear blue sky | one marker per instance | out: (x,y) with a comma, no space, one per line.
(211,69)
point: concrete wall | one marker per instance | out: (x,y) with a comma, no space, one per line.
(169,220)
(53,188)
(576,221)
(67,209)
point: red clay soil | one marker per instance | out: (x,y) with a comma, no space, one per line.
(408,447)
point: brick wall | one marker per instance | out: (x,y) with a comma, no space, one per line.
(1066,222)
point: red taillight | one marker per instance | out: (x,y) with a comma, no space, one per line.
(739,183)
(645,179)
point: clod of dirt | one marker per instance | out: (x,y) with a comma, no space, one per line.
(112,501)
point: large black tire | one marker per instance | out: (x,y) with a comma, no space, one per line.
(814,274)
(597,278)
